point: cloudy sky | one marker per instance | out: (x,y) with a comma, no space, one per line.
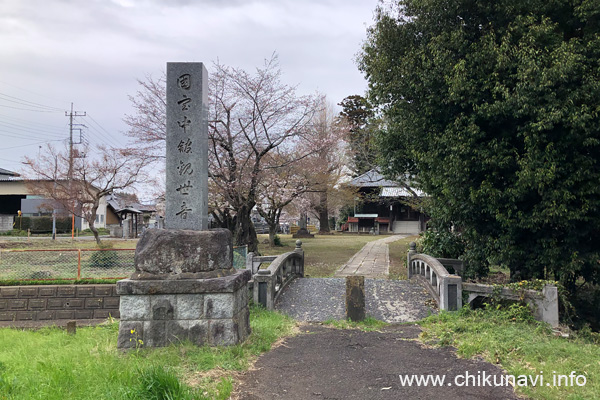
(91,52)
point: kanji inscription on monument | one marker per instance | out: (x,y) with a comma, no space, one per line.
(187,146)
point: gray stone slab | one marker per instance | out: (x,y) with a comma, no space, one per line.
(134,308)
(187,146)
(321,299)
(229,283)
(177,254)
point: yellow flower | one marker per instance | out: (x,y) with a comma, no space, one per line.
(132,331)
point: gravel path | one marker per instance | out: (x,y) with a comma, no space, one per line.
(320,299)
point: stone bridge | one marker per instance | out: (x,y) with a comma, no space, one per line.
(430,287)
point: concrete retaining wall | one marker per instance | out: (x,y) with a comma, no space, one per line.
(58,302)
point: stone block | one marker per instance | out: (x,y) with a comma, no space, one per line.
(103,290)
(241,300)
(242,320)
(84,314)
(355,297)
(129,333)
(56,304)
(93,303)
(28,292)
(49,291)
(163,252)
(111,302)
(17,304)
(135,308)
(3,305)
(155,334)
(219,306)
(198,332)
(65,291)
(163,307)
(177,331)
(9,292)
(85,291)
(223,332)
(37,304)
(73,303)
(189,306)
(8,316)
(45,315)
(65,314)
(224,284)
(25,315)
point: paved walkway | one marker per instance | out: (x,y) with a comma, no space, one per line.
(324,363)
(372,261)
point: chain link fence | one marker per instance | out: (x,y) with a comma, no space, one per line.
(239,256)
(66,264)
(78,263)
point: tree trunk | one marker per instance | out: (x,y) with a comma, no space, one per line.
(92,220)
(245,234)
(323,213)
(272,233)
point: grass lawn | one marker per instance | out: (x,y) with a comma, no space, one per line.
(50,364)
(324,254)
(63,243)
(398,250)
(522,347)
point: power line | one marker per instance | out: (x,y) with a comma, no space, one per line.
(106,133)
(23,102)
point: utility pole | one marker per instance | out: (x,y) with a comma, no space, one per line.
(70,173)
(71,115)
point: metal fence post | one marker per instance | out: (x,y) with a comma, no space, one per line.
(78,264)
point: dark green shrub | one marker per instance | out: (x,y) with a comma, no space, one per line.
(104,259)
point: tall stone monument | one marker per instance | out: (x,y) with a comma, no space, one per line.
(184,286)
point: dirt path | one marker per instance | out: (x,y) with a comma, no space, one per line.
(325,363)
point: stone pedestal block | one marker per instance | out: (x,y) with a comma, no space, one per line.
(156,313)
(183,254)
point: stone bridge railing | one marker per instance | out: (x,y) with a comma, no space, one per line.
(270,282)
(447,289)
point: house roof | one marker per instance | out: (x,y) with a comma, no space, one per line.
(399,192)
(389,188)
(121,205)
(8,173)
(371,178)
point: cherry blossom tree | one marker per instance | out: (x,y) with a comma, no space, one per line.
(325,166)
(250,116)
(79,184)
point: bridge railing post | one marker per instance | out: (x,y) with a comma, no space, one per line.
(451,293)
(299,250)
(412,250)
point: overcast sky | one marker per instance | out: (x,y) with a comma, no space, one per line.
(54,52)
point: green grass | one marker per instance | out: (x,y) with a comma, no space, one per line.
(323,254)
(398,251)
(369,324)
(50,364)
(521,346)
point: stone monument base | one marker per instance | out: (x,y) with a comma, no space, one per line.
(212,311)
(303,233)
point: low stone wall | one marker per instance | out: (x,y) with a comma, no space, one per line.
(58,302)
